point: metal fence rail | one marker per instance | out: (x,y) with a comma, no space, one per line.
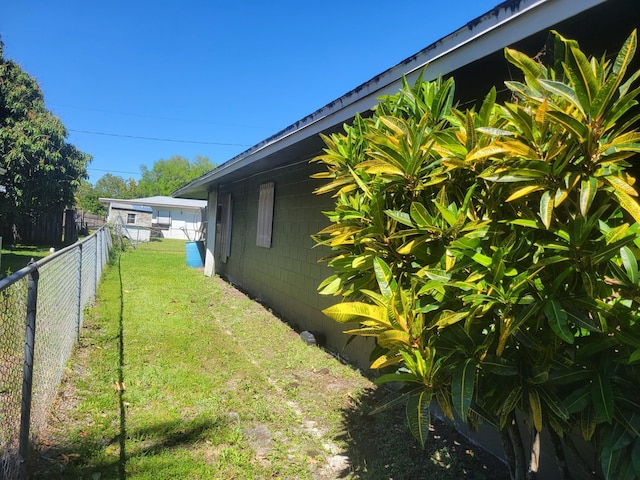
(41,313)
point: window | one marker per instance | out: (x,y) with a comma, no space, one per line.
(131,218)
(265,215)
(163,218)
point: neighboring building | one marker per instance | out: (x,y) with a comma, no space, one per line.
(131,221)
(160,216)
(262,211)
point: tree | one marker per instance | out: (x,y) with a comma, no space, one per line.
(167,176)
(114,186)
(87,199)
(43,170)
(493,253)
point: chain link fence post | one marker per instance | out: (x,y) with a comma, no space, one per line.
(79,294)
(27,380)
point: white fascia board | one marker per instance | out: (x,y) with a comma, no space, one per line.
(141,201)
(501,27)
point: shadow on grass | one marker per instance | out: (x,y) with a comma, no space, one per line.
(98,458)
(14,261)
(381,447)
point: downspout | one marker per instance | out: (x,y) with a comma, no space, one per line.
(210,244)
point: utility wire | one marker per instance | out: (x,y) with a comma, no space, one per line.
(160,139)
(113,171)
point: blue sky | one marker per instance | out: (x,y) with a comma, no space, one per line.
(216,76)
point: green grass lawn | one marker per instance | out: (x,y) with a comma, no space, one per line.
(16,257)
(180,376)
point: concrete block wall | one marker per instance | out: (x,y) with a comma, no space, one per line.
(286,276)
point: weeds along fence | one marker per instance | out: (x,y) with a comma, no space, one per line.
(41,313)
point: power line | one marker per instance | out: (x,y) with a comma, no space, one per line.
(160,139)
(113,171)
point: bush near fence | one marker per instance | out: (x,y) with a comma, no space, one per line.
(41,313)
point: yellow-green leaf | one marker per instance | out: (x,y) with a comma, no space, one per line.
(356,311)
(620,185)
(462,386)
(588,422)
(448,317)
(385,361)
(546,209)
(588,189)
(536,409)
(629,204)
(524,191)
(394,339)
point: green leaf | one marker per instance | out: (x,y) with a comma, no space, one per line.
(397,378)
(510,404)
(577,400)
(578,129)
(557,319)
(531,69)
(554,403)
(582,320)
(420,215)
(498,366)
(602,396)
(582,77)
(400,217)
(462,386)
(625,55)
(447,214)
(630,264)
(562,90)
(609,459)
(570,375)
(419,416)
(436,274)
(635,456)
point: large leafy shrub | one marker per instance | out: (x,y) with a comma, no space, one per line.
(492,253)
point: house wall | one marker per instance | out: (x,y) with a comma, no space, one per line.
(286,276)
(140,231)
(186,223)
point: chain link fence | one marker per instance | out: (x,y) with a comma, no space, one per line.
(41,313)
